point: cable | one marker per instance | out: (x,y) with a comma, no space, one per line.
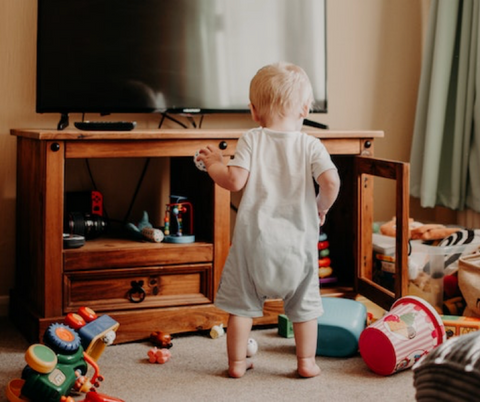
(140,181)
(166,116)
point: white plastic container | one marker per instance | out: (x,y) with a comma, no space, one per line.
(427,265)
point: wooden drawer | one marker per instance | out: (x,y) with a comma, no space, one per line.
(133,288)
(105,253)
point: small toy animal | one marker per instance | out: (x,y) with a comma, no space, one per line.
(156,355)
(161,339)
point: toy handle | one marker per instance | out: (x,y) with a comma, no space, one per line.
(96,374)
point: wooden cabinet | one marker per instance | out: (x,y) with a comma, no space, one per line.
(163,286)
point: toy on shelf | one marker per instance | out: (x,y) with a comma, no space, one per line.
(325,270)
(160,356)
(144,230)
(161,339)
(177,211)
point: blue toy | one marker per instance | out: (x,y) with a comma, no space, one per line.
(340,326)
(144,230)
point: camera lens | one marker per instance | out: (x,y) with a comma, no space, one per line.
(87,225)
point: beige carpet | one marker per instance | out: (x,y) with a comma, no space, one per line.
(197,372)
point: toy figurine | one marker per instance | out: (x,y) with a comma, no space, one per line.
(177,210)
(160,356)
(161,339)
(217,331)
(144,230)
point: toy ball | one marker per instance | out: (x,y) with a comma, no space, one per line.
(199,164)
(252,347)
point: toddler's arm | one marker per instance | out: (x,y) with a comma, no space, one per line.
(329,183)
(231,178)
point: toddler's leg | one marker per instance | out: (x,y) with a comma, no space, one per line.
(306,343)
(238,332)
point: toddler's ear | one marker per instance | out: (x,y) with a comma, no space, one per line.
(305,110)
(254,113)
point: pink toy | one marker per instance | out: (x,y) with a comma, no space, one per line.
(156,355)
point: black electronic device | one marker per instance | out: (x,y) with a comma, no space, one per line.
(84,214)
(176,56)
(87,202)
(105,125)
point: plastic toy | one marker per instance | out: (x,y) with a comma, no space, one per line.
(177,210)
(160,356)
(96,333)
(460,325)
(325,270)
(199,164)
(340,327)
(55,369)
(161,339)
(217,331)
(285,326)
(252,347)
(144,230)
(96,397)
(59,366)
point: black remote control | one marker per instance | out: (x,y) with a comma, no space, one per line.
(105,125)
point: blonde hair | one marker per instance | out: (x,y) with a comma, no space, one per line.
(280,89)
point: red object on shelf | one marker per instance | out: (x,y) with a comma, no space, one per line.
(323,244)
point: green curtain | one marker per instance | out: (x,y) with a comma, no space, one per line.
(445,153)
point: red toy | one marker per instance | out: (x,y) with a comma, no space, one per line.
(96,397)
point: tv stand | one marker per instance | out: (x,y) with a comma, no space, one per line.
(180,279)
(315,124)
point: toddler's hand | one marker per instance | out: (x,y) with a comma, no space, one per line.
(209,156)
(322,215)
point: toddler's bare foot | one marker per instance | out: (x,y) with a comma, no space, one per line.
(307,367)
(237,369)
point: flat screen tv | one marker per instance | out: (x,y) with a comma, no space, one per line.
(173,56)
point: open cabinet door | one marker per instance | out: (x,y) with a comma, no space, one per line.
(365,170)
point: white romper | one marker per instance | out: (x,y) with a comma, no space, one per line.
(274,247)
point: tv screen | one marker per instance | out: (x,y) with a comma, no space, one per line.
(185,56)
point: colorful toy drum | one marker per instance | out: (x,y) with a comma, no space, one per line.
(411,329)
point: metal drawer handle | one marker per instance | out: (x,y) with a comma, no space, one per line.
(136,294)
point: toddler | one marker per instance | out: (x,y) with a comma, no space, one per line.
(274,246)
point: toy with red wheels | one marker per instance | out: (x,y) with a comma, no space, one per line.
(95,332)
(54,369)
